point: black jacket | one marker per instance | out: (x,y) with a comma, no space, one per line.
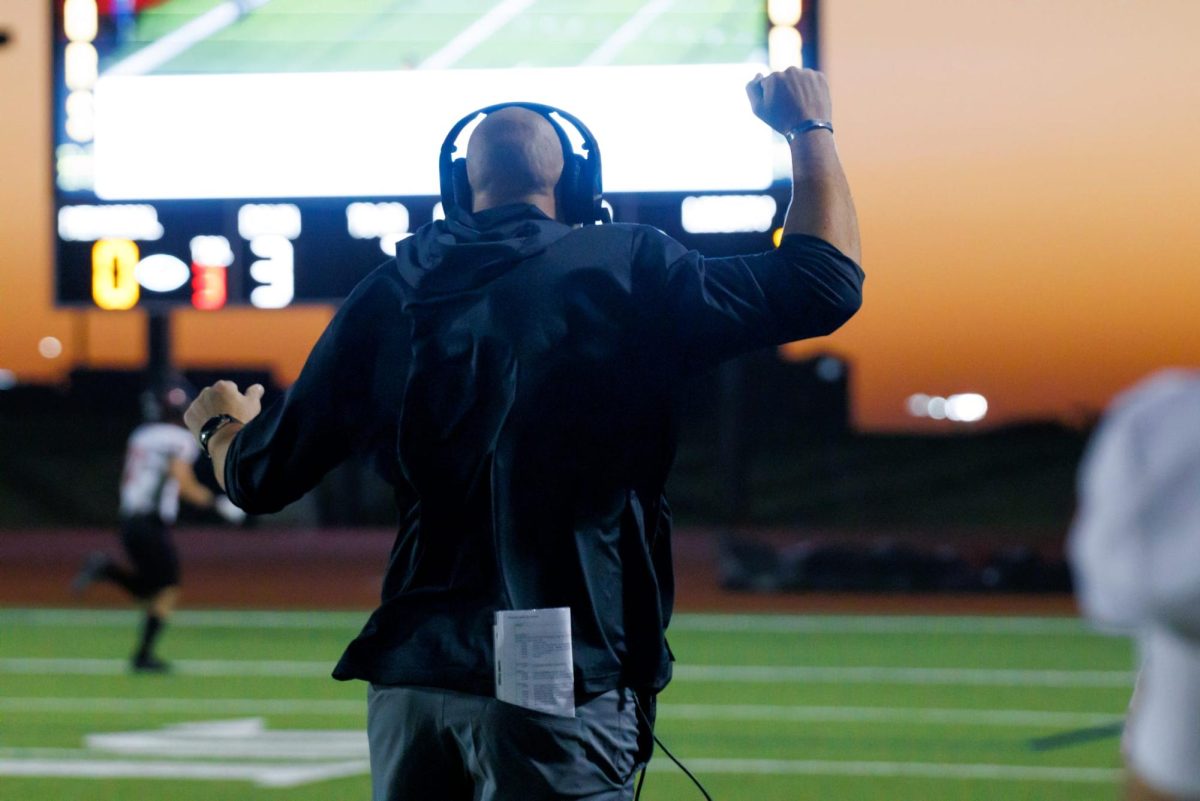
(515,377)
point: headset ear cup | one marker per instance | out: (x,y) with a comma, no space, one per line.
(575,197)
(591,190)
(462,185)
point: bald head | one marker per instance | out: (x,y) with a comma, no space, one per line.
(514,156)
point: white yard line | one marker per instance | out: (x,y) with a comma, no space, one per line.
(159,52)
(667,711)
(214,706)
(475,34)
(215,618)
(186,667)
(624,35)
(860,714)
(882,624)
(766,674)
(283,775)
(265,775)
(769,674)
(927,770)
(750,624)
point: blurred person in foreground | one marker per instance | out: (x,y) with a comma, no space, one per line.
(516,375)
(1135,550)
(158,472)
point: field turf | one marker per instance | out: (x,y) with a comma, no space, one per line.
(317,36)
(763,708)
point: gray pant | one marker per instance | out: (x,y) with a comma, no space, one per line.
(439,745)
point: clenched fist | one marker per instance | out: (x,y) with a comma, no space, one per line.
(785,99)
(223,398)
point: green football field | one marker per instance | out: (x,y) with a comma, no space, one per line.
(318,36)
(763,708)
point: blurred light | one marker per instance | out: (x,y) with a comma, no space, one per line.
(370,220)
(726,214)
(74,166)
(777,236)
(830,369)
(784,48)
(965,407)
(8,379)
(177,396)
(122,221)
(81,20)
(161,272)
(918,405)
(439,212)
(388,242)
(274,219)
(612,215)
(211,251)
(784,12)
(968,407)
(50,347)
(81,116)
(936,408)
(81,65)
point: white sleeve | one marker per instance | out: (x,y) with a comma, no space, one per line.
(1104,545)
(1163,731)
(1135,543)
(186,446)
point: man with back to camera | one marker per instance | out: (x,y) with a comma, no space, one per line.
(1135,552)
(514,376)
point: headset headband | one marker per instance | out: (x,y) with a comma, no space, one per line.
(579,190)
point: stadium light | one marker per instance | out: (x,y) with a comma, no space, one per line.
(785,12)
(969,407)
(81,65)
(918,405)
(965,407)
(784,48)
(81,24)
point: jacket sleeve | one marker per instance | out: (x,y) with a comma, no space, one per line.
(718,308)
(345,400)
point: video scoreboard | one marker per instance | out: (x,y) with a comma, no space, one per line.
(215,153)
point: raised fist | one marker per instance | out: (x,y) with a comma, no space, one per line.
(223,398)
(785,99)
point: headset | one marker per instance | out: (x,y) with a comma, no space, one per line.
(579,191)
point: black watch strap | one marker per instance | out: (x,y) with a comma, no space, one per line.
(211,426)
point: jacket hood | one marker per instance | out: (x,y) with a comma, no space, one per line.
(466,250)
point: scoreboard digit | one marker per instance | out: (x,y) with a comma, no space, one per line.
(114,274)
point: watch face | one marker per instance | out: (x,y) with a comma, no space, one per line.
(210,427)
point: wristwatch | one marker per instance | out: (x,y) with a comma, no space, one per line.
(211,426)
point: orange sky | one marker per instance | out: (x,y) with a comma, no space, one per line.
(1026,173)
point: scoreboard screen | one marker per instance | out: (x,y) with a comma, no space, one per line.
(211,153)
